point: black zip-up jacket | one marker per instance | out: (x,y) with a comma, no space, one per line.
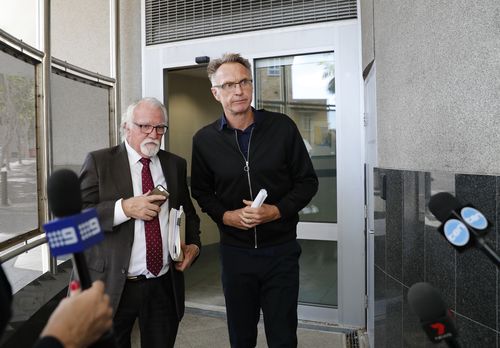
(278,161)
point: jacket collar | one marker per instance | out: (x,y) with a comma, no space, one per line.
(257,117)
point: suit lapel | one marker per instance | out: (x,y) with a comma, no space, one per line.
(170,173)
(121,172)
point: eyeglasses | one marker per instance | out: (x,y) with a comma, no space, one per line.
(231,86)
(148,129)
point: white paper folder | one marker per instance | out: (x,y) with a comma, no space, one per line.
(176,233)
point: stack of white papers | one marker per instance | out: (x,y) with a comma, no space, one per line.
(176,233)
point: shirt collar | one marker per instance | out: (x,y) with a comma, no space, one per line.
(257,117)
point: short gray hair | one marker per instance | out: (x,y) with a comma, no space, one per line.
(215,64)
(128,116)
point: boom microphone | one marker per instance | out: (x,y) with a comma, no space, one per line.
(426,302)
(463,226)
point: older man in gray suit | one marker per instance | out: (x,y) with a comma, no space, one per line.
(142,281)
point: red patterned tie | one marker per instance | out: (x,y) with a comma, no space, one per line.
(154,250)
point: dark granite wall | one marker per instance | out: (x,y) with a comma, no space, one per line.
(409,249)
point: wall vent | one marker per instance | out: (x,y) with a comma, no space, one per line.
(169,21)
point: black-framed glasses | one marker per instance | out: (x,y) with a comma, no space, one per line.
(231,86)
(148,129)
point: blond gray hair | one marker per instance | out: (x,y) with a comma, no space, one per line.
(215,64)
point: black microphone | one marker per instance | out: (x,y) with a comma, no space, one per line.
(73,231)
(426,302)
(462,225)
(65,199)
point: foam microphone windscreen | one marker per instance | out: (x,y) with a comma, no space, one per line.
(64,195)
(442,204)
(426,302)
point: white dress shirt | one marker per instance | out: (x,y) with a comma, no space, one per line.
(137,264)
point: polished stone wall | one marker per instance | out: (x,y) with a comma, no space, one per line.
(409,249)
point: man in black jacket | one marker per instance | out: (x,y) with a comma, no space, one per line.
(233,158)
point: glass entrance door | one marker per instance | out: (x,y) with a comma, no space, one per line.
(321,92)
(303,87)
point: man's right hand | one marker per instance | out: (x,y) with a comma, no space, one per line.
(233,218)
(142,207)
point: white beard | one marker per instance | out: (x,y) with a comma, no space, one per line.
(150,147)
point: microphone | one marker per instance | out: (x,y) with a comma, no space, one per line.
(426,302)
(73,231)
(462,225)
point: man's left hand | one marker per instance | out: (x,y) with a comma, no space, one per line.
(190,251)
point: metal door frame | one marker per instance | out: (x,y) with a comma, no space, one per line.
(343,38)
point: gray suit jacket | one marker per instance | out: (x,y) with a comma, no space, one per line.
(105,177)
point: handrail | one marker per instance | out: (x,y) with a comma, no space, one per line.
(24,237)
(68,67)
(20,47)
(22,249)
(19,44)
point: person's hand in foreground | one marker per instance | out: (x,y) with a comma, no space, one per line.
(82,318)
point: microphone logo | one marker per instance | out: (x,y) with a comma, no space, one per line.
(62,237)
(456,232)
(474,218)
(74,233)
(440,328)
(462,226)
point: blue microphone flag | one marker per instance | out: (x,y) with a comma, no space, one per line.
(74,233)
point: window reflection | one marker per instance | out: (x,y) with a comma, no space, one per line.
(303,87)
(18,178)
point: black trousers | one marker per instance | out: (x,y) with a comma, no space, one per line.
(267,279)
(152,302)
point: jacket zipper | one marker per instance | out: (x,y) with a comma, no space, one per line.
(246,168)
